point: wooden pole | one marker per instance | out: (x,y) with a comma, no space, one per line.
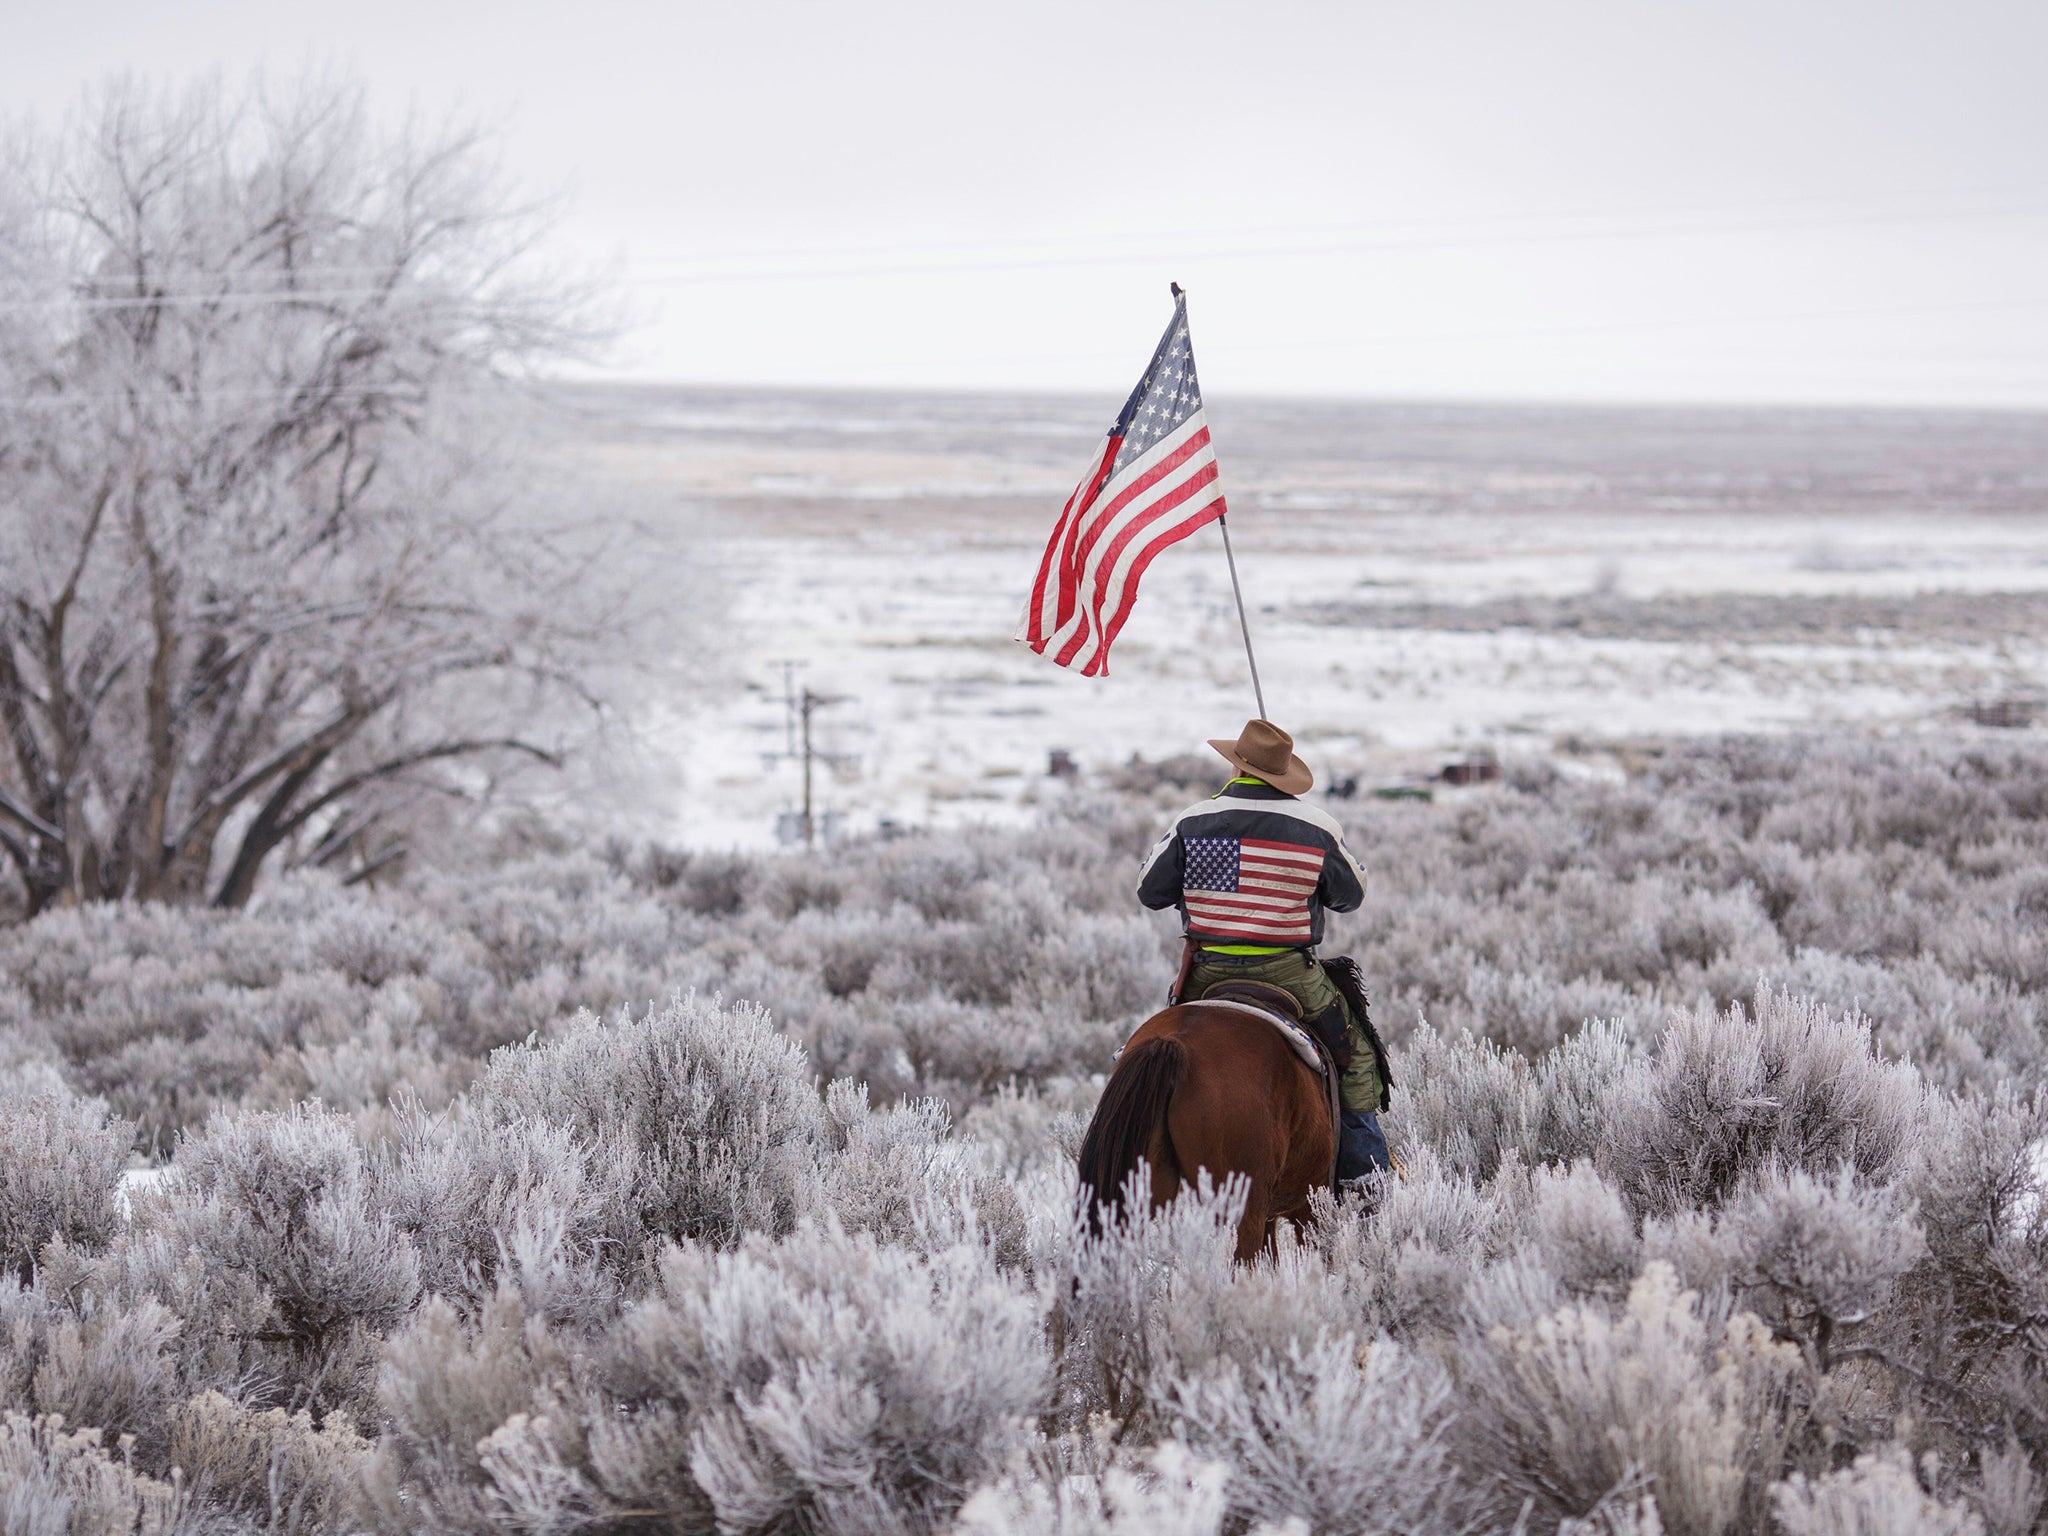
(810,700)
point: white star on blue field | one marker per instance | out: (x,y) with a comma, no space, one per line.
(1169,395)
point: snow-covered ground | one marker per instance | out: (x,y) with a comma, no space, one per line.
(882,545)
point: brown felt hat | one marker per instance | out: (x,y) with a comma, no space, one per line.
(1266,752)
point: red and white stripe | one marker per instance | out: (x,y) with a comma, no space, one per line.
(1107,535)
(1270,905)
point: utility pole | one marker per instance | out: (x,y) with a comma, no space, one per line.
(789,708)
(799,704)
(809,702)
(810,822)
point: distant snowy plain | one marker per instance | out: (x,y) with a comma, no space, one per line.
(1423,582)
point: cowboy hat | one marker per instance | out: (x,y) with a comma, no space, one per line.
(1264,751)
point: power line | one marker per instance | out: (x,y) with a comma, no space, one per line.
(228,300)
(1691,322)
(1534,333)
(325,271)
(409,389)
(1154,254)
(1256,253)
(1152,239)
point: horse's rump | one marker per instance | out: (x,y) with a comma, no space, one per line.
(1215,1088)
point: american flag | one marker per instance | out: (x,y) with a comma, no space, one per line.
(1252,889)
(1154,481)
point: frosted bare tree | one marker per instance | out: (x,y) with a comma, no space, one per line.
(264,561)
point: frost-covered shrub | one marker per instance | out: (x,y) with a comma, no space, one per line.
(1407,1266)
(555,935)
(387,1061)
(1959,1030)
(791,887)
(1980,1185)
(69,1352)
(171,1014)
(447,1392)
(1022,1127)
(716,887)
(901,1175)
(519,1204)
(1546,901)
(56,1481)
(1762,1026)
(1470,1102)
(1581,1231)
(1114,1324)
(1591,1083)
(267,1244)
(826,1383)
(1477,1105)
(953,965)
(1171,1493)
(1157,1296)
(369,945)
(271,1467)
(1113,967)
(1732,1092)
(939,881)
(1878,1496)
(1815,1256)
(700,1120)
(1567,1410)
(1534,1012)
(1349,1440)
(60,1159)
(2011,1492)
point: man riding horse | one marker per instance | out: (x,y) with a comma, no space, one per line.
(1252,870)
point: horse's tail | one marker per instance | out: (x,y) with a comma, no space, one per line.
(1132,1111)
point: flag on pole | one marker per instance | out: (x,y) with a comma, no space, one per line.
(1153,482)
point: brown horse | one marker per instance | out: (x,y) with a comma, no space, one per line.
(1209,1086)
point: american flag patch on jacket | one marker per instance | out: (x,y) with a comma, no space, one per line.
(1250,888)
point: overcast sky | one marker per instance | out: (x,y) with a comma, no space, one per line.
(1618,199)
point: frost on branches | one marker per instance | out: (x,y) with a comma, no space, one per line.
(426,1246)
(263,565)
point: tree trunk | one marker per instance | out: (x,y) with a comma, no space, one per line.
(151,856)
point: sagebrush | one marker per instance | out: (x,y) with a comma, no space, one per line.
(629,1189)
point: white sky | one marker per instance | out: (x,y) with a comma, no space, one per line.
(1610,199)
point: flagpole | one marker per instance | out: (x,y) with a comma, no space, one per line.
(1223,522)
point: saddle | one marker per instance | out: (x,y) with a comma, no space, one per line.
(1282,1010)
(1260,994)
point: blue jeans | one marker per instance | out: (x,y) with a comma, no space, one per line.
(1362,1147)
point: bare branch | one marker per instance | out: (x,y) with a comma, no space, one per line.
(410,760)
(11,807)
(322,739)
(389,856)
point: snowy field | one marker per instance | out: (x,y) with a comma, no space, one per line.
(1424,582)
